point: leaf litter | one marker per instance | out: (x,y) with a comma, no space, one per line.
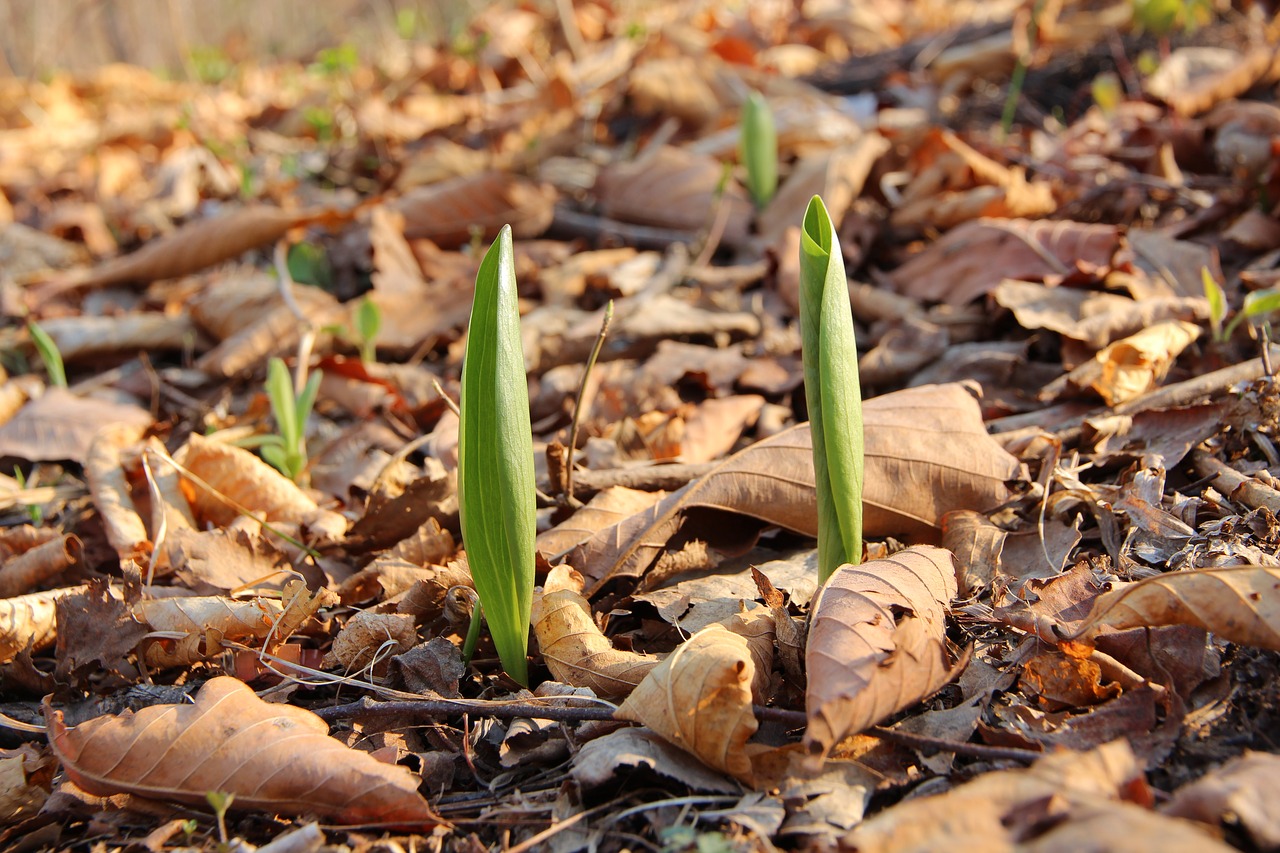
(1052,396)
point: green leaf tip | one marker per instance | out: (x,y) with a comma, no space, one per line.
(759,149)
(832,391)
(495,459)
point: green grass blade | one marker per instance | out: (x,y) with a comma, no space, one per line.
(832,391)
(280,393)
(759,149)
(49,354)
(495,459)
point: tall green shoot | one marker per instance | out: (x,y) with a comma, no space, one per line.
(49,354)
(287,449)
(759,146)
(495,459)
(832,391)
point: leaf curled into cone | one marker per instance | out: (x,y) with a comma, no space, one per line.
(274,758)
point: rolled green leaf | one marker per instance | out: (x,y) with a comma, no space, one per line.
(495,459)
(759,149)
(832,392)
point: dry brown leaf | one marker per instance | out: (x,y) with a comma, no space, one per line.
(30,620)
(1240,604)
(369,638)
(273,758)
(605,509)
(445,213)
(673,188)
(983,814)
(62,425)
(713,428)
(1137,364)
(838,176)
(109,486)
(233,480)
(86,337)
(699,698)
(201,244)
(221,559)
(864,661)
(970,260)
(573,646)
(39,565)
(927,453)
(678,86)
(1240,793)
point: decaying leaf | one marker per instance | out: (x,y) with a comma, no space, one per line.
(104,469)
(699,698)
(1240,604)
(877,643)
(62,425)
(1239,793)
(574,648)
(927,453)
(273,758)
(30,620)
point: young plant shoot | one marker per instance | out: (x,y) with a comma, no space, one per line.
(759,149)
(495,459)
(832,391)
(287,450)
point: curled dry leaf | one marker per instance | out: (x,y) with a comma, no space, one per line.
(927,453)
(104,469)
(1240,604)
(273,758)
(699,698)
(39,564)
(574,648)
(866,662)
(30,621)
(234,480)
(86,337)
(362,640)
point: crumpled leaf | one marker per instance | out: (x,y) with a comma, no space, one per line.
(273,758)
(927,453)
(699,698)
(877,643)
(1238,604)
(574,648)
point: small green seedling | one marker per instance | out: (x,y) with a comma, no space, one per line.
(368,324)
(496,485)
(34,512)
(1217,305)
(220,801)
(759,146)
(287,449)
(49,354)
(1260,303)
(832,391)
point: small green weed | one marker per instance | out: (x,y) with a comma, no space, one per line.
(49,354)
(287,449)
(759,149)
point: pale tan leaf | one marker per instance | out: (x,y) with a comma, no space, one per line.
(272,757)
(1138,363)
(446,213)
(575,649)
(61,425)
(1126,827)
(1239,793)
(837,175)
(699,698)
(86,337)
(233,480)
(30,620)
(222,559)
(109,486)
(678,86)
(927,453)
(1240,604)
(202,244)
(39,565)
(370,637)
(715,426)
(863,661)
(981,814)
(606,508)
(231,618)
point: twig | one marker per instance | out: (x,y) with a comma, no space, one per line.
(580,713)
(306,340)
(1236,486)
(577,404)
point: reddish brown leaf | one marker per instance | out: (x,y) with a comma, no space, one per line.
(274,758)
(445,213)
(866,662)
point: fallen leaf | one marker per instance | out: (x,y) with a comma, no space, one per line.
(1237,794)
(927,453)
(445,213)
(62,425)
(273,758)
(600,760)
(1239,604)
(877,643)
(699,698)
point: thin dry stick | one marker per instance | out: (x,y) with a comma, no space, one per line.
(577,404)
(308,337)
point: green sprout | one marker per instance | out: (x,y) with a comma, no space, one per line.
(1217,305)
(368,324)
(34,512)
(1260,303)
(495,461)
(49,354)
(287,449)
(220,802)
(759,149)
(832,391)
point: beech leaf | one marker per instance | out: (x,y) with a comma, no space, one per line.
(273,758)
(877,643)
